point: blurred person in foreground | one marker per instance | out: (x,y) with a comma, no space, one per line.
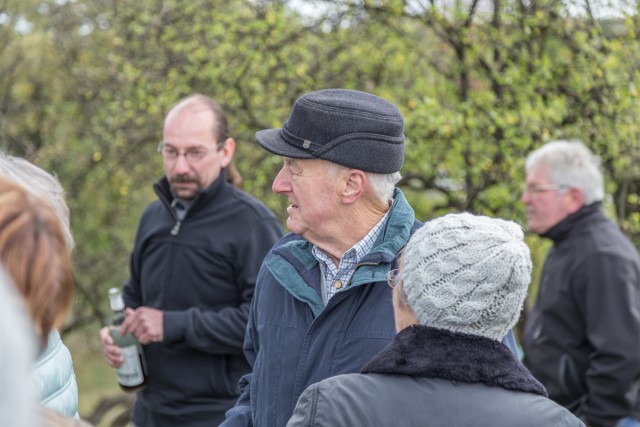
(460,288)
(582,337)
(193,269)
(35,254)
(53,375)
(322,307)
(17,354)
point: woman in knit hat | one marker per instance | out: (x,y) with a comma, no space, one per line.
(460,288)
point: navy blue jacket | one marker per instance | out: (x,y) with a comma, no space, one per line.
(293,340)
(201,272)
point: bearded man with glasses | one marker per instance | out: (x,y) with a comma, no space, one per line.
(582,338)
(194,264)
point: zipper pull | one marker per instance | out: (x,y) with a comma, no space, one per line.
(176,228)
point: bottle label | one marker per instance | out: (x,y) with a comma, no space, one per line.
(130,372)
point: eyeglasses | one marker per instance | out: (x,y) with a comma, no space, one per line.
(192,155)
(542,188)
(393,277)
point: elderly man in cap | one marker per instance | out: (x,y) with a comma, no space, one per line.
(322,306)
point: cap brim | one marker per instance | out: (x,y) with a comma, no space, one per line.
(271,141)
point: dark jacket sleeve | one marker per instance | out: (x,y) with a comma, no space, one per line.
(223,331)
(610,288)
(240,414)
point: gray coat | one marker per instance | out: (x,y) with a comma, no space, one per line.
(431,377)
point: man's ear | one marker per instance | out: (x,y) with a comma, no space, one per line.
(227,150)
(353,186)
(575,200)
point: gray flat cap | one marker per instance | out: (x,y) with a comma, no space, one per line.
(351,128)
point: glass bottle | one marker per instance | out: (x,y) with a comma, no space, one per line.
(132,374)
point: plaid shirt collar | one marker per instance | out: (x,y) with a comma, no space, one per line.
(335,277)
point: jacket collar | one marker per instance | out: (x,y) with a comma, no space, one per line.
(295,268)
(564,228)
(423,351)
(163,191)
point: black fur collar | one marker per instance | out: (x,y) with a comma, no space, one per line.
(423,351)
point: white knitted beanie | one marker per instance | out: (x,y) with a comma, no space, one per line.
(467,273)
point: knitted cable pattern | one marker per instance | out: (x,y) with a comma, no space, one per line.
(467,273)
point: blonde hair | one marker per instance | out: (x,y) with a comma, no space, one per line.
(34,252)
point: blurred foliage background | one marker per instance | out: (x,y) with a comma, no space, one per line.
(84,86)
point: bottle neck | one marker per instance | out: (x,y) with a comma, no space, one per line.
(117,318)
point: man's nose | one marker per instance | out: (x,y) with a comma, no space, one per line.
(181,165)
(281,184)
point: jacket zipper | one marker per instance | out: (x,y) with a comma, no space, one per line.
(176,228)
(358,265)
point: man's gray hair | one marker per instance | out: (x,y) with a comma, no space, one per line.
(381,184)
(572,164)
(41,184)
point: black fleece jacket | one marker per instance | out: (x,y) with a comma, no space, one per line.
(201,273)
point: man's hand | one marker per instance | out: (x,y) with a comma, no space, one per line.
(145,324)
(111,351)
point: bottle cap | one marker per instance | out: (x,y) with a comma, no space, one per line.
(115,299)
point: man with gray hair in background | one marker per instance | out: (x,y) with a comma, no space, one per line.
(582,337)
